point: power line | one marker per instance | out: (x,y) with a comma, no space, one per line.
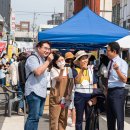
(23,12)
(37,14)
(34,11)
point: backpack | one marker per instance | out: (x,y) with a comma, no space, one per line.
(22,72)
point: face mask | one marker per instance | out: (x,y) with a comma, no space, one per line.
(59,64)
(62,63)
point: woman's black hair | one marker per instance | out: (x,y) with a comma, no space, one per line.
(56,57)
(92,58)
(104,60)
(13,54)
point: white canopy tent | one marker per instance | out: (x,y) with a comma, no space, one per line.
(124,42)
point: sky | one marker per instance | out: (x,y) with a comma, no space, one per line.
(28,7)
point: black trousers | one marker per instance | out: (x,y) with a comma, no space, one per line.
(80,102)
(115,108)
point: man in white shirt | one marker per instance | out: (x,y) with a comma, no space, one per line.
(117,78)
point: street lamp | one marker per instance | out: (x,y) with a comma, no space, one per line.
(7,34)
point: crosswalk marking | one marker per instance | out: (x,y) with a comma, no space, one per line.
(126,125)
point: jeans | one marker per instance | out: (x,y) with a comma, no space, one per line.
(80,102)
(3,82)
(35,104)
(20,89)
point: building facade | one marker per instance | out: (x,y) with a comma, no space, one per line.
(12,23)
(100,7)
(94,5)
(68,9)
(5,9)
(24,26)
(116,12)
(56,19)
(1,26)
(24,40)
(106,9)
(121,13)
(125,13)
(43,27)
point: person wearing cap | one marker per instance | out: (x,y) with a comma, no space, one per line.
(69,57)
(85,82)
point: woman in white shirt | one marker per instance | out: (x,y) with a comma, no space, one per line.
(59,89)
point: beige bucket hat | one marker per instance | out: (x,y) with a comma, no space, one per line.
(80,54)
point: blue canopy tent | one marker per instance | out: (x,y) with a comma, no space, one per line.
(84,30)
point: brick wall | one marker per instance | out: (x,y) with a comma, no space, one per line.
(94,5)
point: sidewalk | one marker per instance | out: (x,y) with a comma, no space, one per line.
(17,123)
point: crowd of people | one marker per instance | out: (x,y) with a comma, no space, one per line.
(73,78)
(11,74)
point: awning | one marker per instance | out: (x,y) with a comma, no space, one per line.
(124,42)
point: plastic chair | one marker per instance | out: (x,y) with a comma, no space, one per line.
(4,100)
(14,98)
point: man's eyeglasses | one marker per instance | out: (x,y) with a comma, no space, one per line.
(46,48)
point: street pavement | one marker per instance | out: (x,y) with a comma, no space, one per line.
(16,122)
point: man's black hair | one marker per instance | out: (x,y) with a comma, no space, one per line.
(114,46)
(40,44)
(22,56)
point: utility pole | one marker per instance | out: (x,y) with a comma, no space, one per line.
(7,34)
(34,26)
(54,17)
